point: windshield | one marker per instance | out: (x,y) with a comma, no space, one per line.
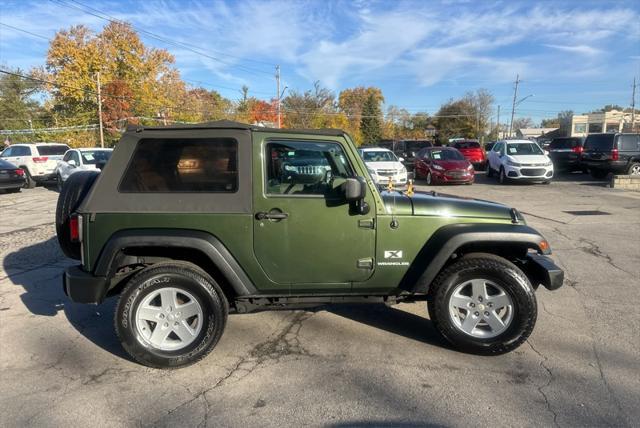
(599,142)
(379,156)
(564,143)
(446,155)
(467,145)
(57,150)
(523,149)
(95,156)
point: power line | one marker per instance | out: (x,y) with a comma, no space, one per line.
(102,15)
(24,31)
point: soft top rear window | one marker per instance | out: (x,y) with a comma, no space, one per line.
(52,150)
(599,142)
(467,145)
(564,143)
(183,165)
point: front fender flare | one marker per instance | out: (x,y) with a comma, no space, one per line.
(445,241)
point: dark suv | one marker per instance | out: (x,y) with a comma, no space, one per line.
(612,152)
(565,153)
(408,149)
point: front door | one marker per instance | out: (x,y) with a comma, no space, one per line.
(304,230)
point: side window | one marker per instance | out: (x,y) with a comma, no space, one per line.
(21,151)
(183,165)
(76,157)
(7,152)
(305,168)
(67,156)
(628,143)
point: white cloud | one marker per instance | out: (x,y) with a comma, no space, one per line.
(580,49)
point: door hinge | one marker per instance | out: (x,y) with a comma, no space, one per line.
(367,223)
(365,263)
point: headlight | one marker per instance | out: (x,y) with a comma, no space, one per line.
(402,170)
(512,163)
(548,163)
(438,167)
(470,167)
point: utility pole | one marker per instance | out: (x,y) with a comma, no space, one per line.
(498,124)
(513,107)
(278,94)
(633,106)
(100,111)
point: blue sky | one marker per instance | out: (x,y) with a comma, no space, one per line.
(576,55)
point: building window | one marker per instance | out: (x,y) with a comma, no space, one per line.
(595,128)
(613,127)
(580,128)
(183,165)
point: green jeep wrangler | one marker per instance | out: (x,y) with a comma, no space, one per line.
(188,222)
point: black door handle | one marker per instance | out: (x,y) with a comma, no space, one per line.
(271,215)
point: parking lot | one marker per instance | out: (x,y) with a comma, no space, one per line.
(61,362)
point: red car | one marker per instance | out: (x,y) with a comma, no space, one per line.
(443,165)
(472,150)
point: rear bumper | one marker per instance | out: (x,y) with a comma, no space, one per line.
(83,287)
(541,270)
(12,183)
(608,165)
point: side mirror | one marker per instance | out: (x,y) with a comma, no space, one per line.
(546,152)
(355,189)
(72,162)
(100,164)
(401,159)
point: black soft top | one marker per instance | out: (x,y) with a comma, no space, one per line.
(229,124)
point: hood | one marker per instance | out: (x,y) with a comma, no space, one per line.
(529,158)
(384,165)
(433,204)
(452,164)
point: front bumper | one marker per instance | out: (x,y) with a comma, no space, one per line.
(541,270)
(398,179)
(537,173)
(449,177)
(83,287)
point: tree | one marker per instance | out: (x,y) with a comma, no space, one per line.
(351,102)
(371,122)
(17,105)
(520,123)
(457,119)
(262,111)
(564,119)
(482,103)
(303,110)
(550,123)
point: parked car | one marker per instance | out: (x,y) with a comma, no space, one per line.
(565,153)
(519,160)
(38,160)
(472,150)
(615,153)
(406,149)
(383,165)
(443,165)
(220,229)
(75,160)
(11,177)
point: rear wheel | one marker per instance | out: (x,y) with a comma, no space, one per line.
(634,169)
(171,315)
(483,304)
(29,182)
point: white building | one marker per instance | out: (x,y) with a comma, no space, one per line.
(611,121)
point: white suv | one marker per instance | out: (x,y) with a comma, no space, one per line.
(384,165)
(38,160)
(519,160)
(75,160)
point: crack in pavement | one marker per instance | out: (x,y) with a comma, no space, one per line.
(541,388)
(594,249)
(285,343)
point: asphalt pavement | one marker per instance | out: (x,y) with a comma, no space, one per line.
(62,365)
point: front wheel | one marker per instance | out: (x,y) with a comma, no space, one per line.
(483,304)
(502,177)
(634,169)
(29,182)
(489,171)
(429,179)
(171,315)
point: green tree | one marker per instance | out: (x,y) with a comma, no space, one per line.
(456,119)
(17,105)
(371,122)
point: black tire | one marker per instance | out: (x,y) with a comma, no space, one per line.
(634,168)
(184,276)
(546,182)
(502,177)
(59,182)
(73,191)
(429,179)
(598,173)
(29,182)
(14,190)
(489,171)
(495,269)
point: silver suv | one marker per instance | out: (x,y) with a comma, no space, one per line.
(38,160)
